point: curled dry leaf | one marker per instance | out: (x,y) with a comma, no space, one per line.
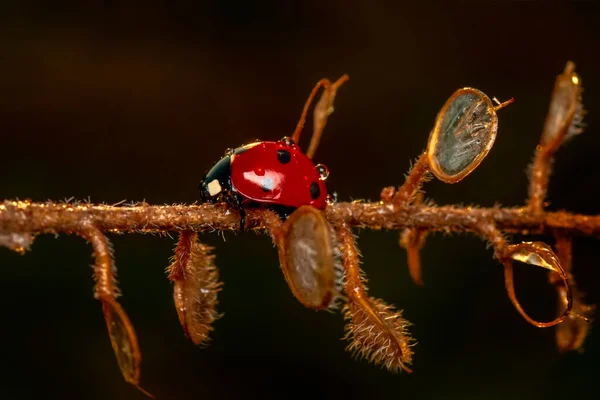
(196,284)
(310,261)
(375,330)
(541,255)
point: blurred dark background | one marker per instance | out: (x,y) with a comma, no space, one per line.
(116,102)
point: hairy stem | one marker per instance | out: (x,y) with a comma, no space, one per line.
(540,177)
(418,173)
(24,216)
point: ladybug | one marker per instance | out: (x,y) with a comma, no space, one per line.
(269,174)
(276,175)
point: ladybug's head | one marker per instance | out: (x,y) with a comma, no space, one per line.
(217,181)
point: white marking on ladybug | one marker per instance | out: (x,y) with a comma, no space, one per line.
(214,187)
(267,184)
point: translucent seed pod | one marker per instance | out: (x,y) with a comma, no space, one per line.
(464,133)
(123,340)
(309,258)
(565,113)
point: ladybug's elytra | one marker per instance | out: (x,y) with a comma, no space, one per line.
(273,174)
(276,175)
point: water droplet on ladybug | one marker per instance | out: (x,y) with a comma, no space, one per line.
(259,171)
(228,152)
(331,199)
(323,171)
(287,141)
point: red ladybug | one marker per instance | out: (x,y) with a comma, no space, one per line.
(272,174)
(276,175)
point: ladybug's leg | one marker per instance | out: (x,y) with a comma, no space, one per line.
(322,111)
(242,212)
(235,200)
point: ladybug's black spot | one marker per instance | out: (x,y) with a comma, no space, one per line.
(315,190)
(283,156)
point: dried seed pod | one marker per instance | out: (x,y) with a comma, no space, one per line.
(309,257)
(123,340)
(565,114)
(196,284)
(120,329)
(464,133)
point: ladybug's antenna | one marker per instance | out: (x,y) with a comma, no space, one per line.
(322,110)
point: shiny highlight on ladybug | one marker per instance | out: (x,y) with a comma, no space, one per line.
(274,174)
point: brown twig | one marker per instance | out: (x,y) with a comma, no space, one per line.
(34,218)
(416,177)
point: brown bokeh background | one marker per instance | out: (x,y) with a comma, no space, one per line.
(118,102)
